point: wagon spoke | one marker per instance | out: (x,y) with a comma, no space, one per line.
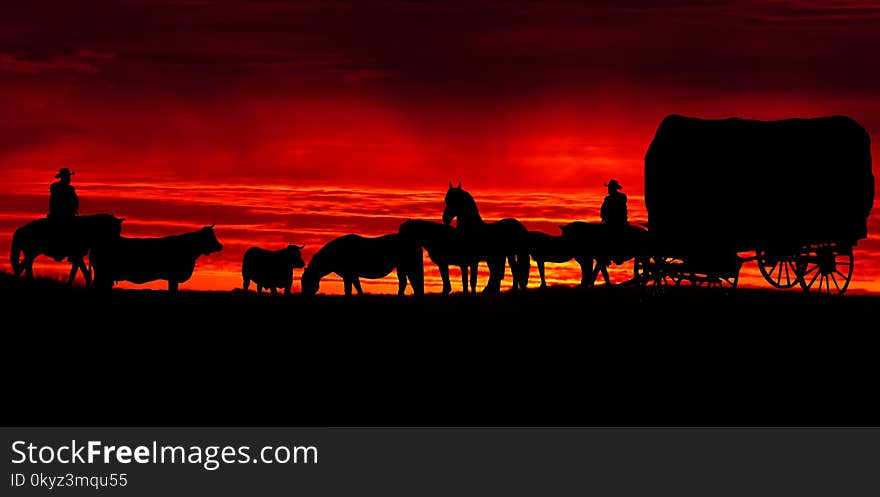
(835,282)
(778,270)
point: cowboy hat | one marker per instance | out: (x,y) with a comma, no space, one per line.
(614,184)
(64,172)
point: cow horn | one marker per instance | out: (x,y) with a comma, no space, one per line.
(301,246)
(212,226)
(450,185)
(459,185)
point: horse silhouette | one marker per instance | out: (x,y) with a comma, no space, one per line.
(140,260)
(445,248)
(69,239)
(353,257)
(548,248)
(489,242)
(271,268)
(604,244)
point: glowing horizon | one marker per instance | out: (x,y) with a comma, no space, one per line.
(278,120)
(324,213)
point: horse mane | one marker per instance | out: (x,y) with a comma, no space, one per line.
(470,203)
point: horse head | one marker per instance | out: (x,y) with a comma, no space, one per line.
(456,203)
(309,282)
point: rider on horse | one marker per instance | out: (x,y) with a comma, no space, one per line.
(613,210)
(63,208)
(614,219)
(63,202)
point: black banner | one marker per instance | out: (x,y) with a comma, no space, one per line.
(442,461)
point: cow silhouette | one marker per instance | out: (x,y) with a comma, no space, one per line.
(353,257)
(271,268)
(141,260)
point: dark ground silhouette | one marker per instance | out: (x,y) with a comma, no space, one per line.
(559,356)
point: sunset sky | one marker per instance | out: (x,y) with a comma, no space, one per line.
(295,122)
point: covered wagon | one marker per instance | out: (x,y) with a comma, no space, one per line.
(795,193)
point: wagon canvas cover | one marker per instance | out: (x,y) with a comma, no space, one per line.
(737,184)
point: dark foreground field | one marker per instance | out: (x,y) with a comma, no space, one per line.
(562,356)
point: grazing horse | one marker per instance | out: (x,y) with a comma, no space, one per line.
(445,248)
(604,244)
(140,260)
(490,242)
(548,248)
(71,239)
(353,257)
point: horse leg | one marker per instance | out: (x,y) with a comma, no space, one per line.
(594,271)
(515,271)
(496,274)
(541,272)
(474,267)
(582,263)
(416,275)
(464,279)
(347,282)
(28,264)
(525,263)
(444,275)
(74,267)
(172,286)
(246,284)
(259,289)
(401,283)
(86,272)
(287,288)
(604,269)
(273,289)
(357,285)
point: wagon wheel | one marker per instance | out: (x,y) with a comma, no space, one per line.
(779,271)
(825,269)
(656,271)
(642,268)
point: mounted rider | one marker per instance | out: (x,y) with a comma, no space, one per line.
(613,210)
(614,220)
(63,201)
(63,209)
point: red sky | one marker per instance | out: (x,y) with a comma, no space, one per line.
(298,121)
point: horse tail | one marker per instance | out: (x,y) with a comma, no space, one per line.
(15,253)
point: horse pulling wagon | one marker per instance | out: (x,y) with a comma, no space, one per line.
(796,193)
